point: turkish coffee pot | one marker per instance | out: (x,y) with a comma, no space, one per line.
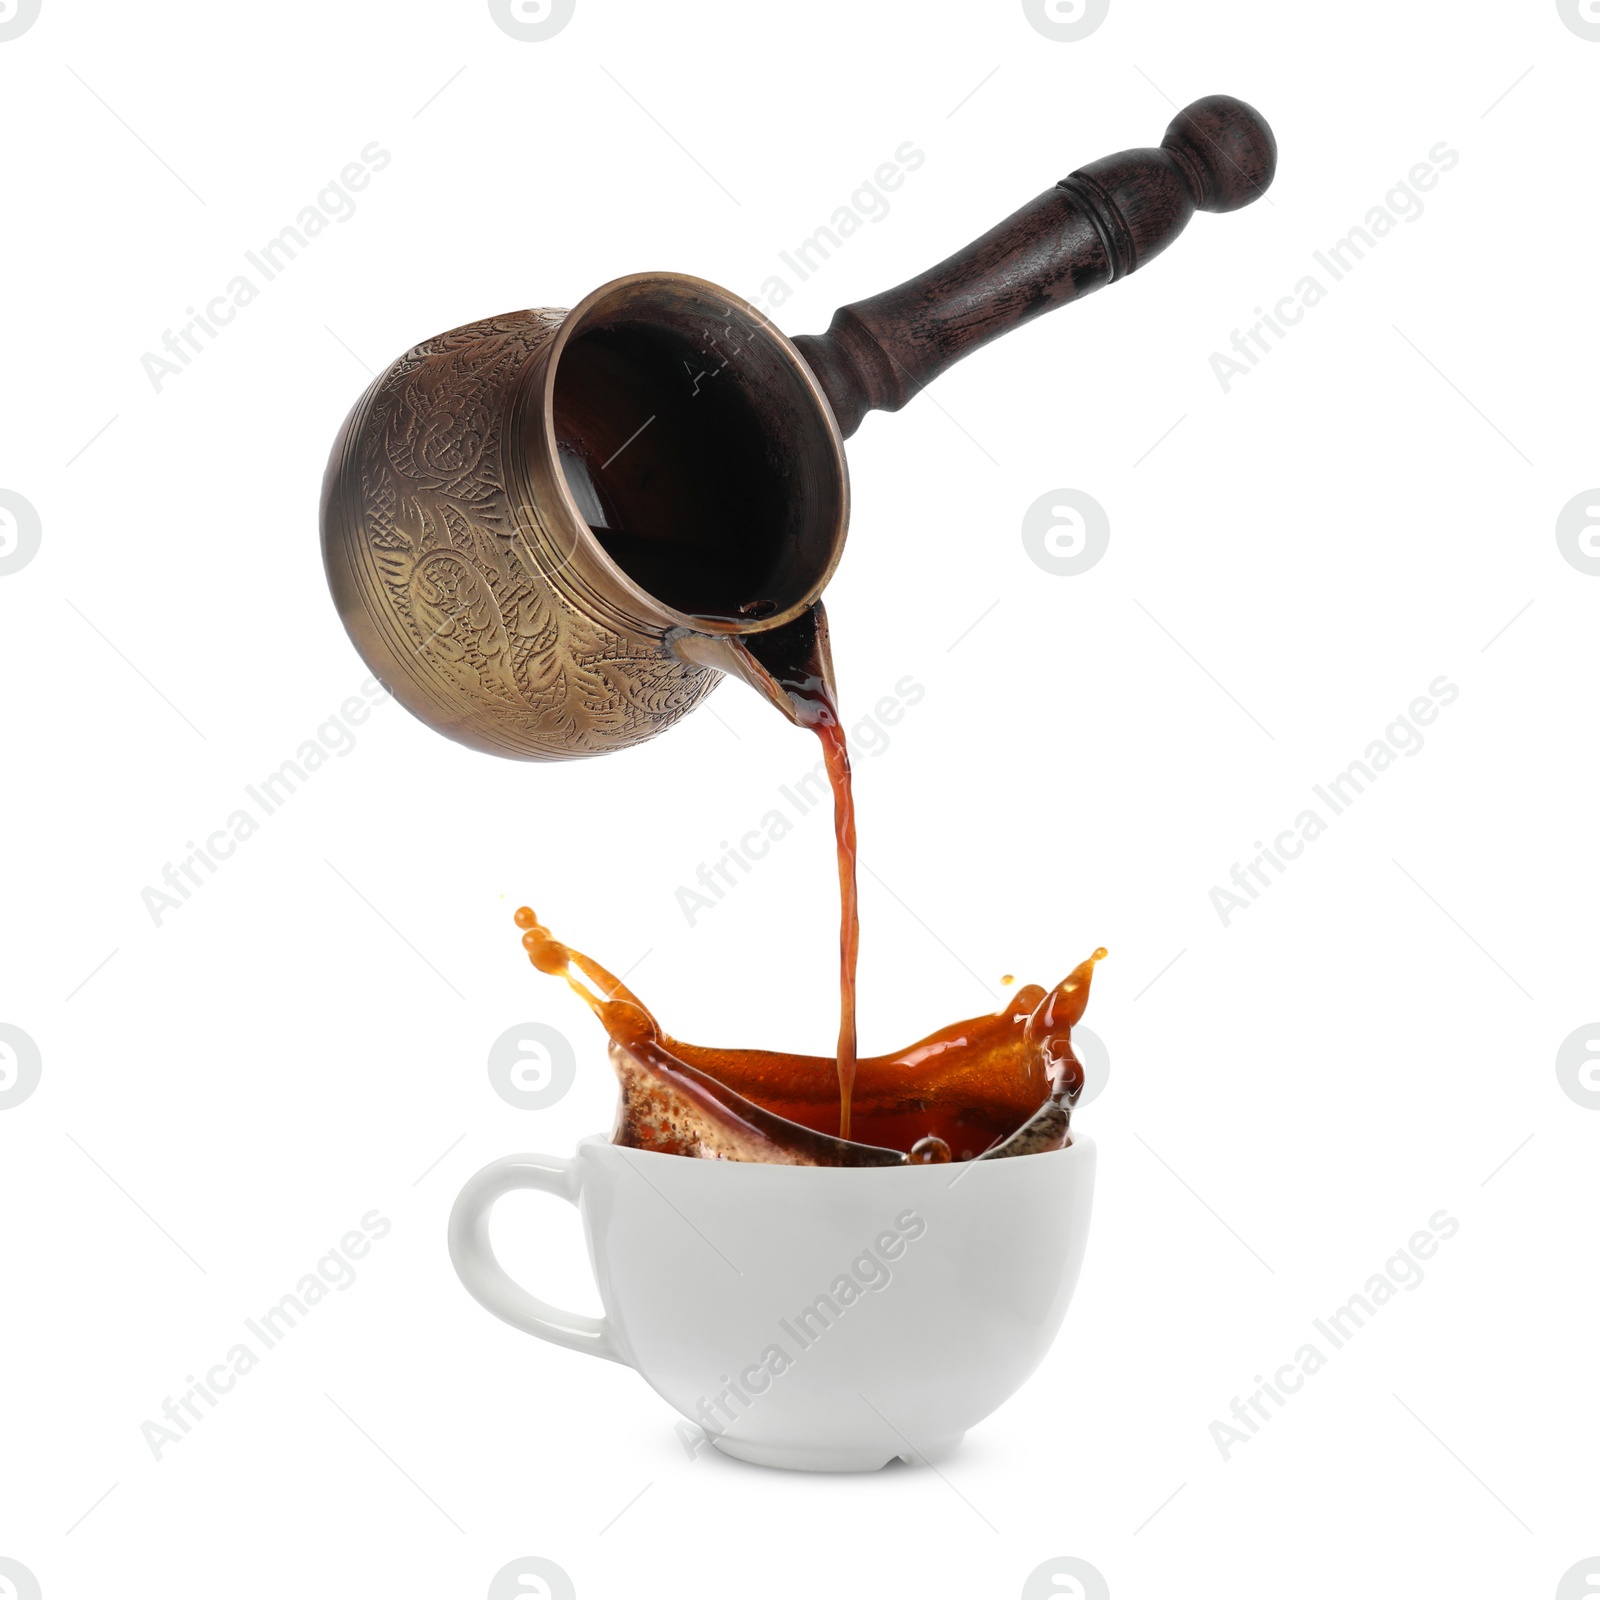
(551,533)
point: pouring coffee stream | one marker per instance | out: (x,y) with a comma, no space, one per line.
(792,668)
(1019,1086)
(550,535)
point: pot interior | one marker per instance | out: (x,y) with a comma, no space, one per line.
(701,457)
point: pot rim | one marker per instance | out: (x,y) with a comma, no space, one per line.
(648,604)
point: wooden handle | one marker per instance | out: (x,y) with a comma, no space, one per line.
(1102,223)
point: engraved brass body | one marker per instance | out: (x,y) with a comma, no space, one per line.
(474,508)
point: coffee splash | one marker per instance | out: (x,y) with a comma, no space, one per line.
(991,1086)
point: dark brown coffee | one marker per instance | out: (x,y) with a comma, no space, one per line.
(1003,1084)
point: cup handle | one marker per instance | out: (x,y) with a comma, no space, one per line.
(488,1282)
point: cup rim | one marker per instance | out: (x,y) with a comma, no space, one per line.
(591,1142)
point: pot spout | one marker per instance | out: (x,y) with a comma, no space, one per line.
(790,667)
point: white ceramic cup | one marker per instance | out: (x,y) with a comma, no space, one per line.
(827,1318)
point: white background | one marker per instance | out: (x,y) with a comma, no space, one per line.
(1291,1096)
